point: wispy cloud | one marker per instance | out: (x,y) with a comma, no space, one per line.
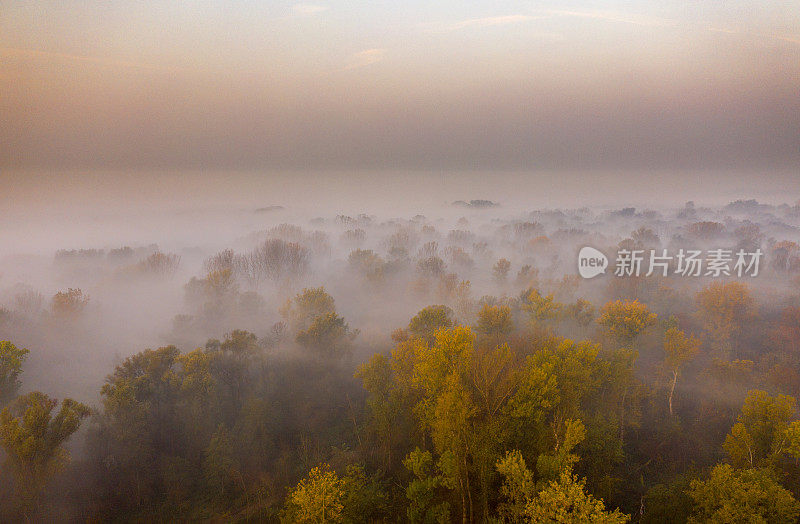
(365,58)
(50,55)
(793,39)
(613,16)
(487,21)
(718,29)
(308,9)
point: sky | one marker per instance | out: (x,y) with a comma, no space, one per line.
(400,85)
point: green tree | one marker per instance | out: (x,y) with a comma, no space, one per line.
(563,499)
(328,336)
(518,486)
(312,303)
(33,437)
(761,433)
(746,495)
(324,496)
(140,424)
(494,322)
(540,308)
(724,310)
(678,349)
(625,320)
(69,303)
(11,359)
(428,320)
(427,491)
(318,498)
(566,501)
(220,466)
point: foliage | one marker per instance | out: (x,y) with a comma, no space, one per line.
(429,319)
(540,308)
(761,432)
(500,269)
(327,337)
(69,303)
(747,495)
(11,359)
(566,501)
(316,498)
(563,499)
(625,320)
(307,306)
(32,437)
(494,322)
(324,496)
(724,310)
(678,349)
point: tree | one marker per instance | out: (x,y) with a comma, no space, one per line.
(33,437)
(368,264)
(786,333)
(540,308)
(306,306)
(566,501)
(69,303)
(494,322)
(724,310)
(427,491)
(221,261)
(761,432)
(431,267)
(747,495)
(275,259)
(328,336)
(518,486)
(679,349)
(324,496)
(11,359)
(561,500)
(500,270)
(159,264)
(219,463)
(429,320)
(317,498)
(624,320)
(582,312)
(140,420)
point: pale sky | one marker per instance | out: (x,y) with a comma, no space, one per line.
(396,85)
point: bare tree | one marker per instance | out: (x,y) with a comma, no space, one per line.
(274,260)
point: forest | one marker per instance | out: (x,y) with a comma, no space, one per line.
(422,369)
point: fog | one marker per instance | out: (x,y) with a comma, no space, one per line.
(197,214)
(325,270)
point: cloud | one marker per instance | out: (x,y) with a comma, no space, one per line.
(35,53)
(482,22)
(793,39)
(612,16)
(717,29)
(365,58)
(308,9)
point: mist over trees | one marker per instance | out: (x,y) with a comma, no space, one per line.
(425,369)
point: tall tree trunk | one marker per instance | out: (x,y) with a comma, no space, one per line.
(463,501)
(622,416)
(469,490)
(672,389)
